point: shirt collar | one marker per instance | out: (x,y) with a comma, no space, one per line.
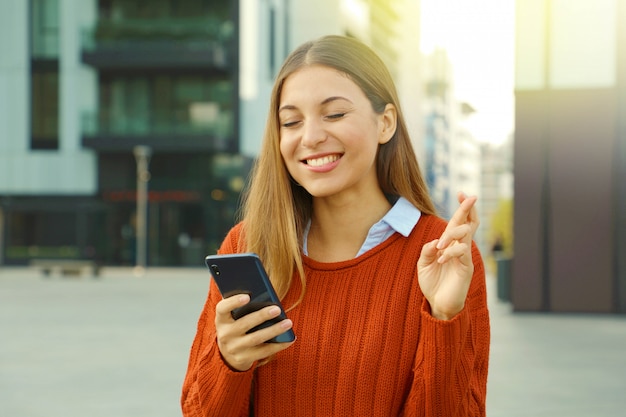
(402,217)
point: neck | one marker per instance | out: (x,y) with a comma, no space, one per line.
(339,227)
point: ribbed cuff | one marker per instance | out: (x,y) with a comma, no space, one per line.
(444,333)
(227,391)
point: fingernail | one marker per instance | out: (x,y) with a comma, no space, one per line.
(439,245)
(243,298)
(274,311)
(286,324)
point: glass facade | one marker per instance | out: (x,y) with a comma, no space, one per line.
(44,36)
(44,29)
(140,105)
(165,76)
(167,79)
(44,107)
(155,9)
(192,202)
(65,229)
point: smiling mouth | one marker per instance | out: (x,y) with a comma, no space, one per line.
(318,162)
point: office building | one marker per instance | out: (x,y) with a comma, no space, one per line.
(570,157)
(82,84)
(91,89)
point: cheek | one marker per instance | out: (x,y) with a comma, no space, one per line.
(287,146)
(286,151)
(364,139)
(282,146)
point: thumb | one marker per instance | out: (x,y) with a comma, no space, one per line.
(429,253)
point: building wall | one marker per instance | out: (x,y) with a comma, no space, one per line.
(76,198)
(269,32)
(496,197)
(296,22)
(27,172)
(453,161)
(410,78)
(567,90)
(32,182)
(619,157)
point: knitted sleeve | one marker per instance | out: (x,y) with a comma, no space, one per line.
(210,387)
(450,370)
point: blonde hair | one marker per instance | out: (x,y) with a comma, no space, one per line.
(275,209)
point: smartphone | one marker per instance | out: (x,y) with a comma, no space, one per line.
(243,273)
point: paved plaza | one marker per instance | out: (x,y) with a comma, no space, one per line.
(117,345)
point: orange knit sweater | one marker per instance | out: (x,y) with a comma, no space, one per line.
(366,344)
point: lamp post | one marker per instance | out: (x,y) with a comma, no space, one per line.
(142,157)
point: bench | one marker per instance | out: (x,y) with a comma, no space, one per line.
(66,267)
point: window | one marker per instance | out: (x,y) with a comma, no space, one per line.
(272,43)
(44,44)
(44,29)
(45,109)
(159,9)
(160,104)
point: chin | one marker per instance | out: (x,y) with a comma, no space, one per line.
(322,187)
(320,192)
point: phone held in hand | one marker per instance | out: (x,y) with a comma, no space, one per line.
(243,273)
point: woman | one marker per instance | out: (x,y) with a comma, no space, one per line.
(387,301)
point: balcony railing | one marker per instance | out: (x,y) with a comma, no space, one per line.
(167,130)
(171,42)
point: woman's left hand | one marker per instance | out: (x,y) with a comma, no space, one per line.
(445,266)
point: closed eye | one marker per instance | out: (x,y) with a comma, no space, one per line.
(335,116)
(290,124)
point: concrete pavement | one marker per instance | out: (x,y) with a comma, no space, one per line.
(556,365)
(117,345)
(112,346)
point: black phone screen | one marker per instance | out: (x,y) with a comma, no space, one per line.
(245,274)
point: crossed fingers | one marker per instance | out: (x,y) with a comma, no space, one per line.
(456,239)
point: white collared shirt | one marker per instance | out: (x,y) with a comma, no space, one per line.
(401,218)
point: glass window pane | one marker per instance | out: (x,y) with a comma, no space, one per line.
(45,110)
(45,28)
(166,104)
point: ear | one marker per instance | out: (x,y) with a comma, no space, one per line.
(387,123)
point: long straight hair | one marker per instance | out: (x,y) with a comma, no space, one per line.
(275,209)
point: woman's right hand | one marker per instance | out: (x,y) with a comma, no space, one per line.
(239,349)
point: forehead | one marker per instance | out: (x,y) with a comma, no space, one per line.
(315,83)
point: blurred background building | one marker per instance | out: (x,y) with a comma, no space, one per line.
(570,156)
(166,78)
(452,159)
(456,159)
(83,82)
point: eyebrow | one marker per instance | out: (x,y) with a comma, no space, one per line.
(324,102)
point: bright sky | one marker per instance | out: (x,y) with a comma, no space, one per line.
(479,38)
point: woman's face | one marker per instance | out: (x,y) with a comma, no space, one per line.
(329,133)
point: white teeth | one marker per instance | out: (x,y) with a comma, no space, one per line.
(318,162)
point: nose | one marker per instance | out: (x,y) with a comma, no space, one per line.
(313,133)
